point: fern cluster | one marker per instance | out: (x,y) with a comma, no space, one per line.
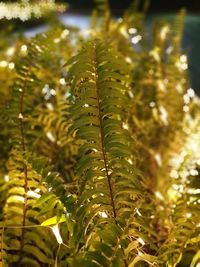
(100,146)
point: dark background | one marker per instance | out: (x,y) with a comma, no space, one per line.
(155,5)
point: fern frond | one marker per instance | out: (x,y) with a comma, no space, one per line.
(109,180)
(183,193)
(104,13)
(178,30)
(24,183)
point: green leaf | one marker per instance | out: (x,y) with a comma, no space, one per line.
(54,220)
(195,259)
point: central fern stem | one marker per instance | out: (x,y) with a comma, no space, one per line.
(102,138)
(25,170)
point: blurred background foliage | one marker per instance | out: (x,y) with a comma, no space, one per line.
(157,10)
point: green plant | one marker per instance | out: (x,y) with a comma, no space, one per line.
(99,146)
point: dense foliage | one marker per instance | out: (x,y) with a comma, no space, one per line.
(100,145)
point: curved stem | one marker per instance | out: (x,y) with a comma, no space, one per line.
(102,138)
(25,169)
(104,155)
